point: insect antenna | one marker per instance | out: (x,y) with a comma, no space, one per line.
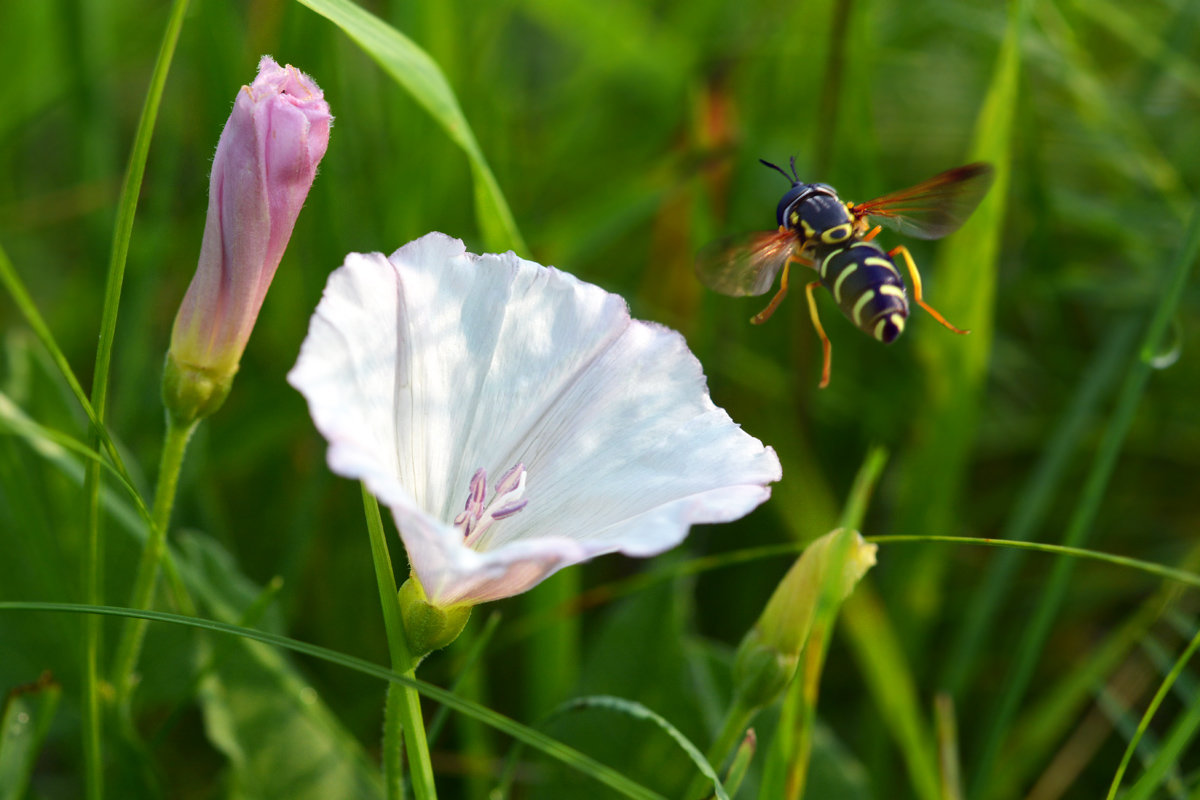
(778,169)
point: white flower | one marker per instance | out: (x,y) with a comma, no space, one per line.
(515,419)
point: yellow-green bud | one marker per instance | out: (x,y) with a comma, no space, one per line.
(429,627)
(767,657)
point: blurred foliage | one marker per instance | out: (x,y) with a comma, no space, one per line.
(625,135)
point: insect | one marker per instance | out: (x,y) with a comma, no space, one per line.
(818,230)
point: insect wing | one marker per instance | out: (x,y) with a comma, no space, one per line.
(745,265)
(933,208)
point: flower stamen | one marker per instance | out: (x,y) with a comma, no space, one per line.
(507,499)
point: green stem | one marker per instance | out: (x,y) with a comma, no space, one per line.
(733,729)
(129,648)
(402,721)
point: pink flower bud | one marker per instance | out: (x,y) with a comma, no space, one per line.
(265,164)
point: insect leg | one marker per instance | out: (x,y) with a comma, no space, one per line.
(874,232)
(816,321)
(916,279)
(765,314)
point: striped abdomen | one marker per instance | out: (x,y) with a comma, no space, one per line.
(864,282)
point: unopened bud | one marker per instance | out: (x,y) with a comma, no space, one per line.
(767,657)
(266,160)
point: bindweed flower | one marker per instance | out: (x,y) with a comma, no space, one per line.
(515,419)
(768,655)
(265,163)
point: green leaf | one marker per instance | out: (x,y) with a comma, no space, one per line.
(420,75)
(27,716)
(260,712)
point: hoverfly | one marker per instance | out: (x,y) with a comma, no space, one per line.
(818,230)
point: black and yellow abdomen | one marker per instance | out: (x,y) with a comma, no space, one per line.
(866,286)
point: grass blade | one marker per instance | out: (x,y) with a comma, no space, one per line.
(636,710)
(1033,503)
(420,75)
(1167,757)
(529,736)
(94,552)
(1038,629)
(957,365)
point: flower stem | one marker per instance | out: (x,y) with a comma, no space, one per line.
(737,720)
(174,447)
(402,720)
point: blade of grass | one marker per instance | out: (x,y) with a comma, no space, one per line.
(1117,21)
(20,295)
(638,711)
(470,660)
(540,741)
(1136,152)
(1158,570)
(419,74)
(1033,502)
(1079,528)
(94,552)
(14,421)
(1180,735)
(957,366)
(1156,768)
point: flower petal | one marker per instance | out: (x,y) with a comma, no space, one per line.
(425,367)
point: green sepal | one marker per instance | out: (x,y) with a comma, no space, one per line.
(426,626)
(192,393)
(761,671)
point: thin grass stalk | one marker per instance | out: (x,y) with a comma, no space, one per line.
(1034,501)
(1167,758)
(1149,567)
(1159,767)
(21,298)
(94,547)
(1041,726)
(551,747)
(946,726)
(1088,506)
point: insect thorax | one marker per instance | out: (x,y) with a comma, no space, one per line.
(814,211)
